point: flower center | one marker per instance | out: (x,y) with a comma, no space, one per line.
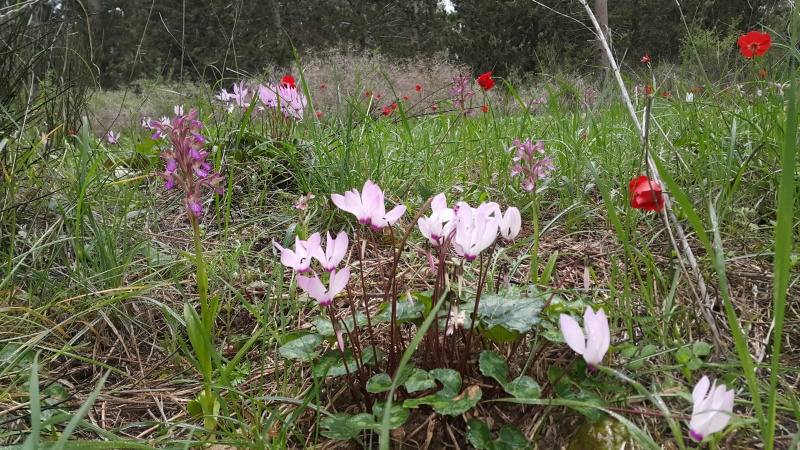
(753,47)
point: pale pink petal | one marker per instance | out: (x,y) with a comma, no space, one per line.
(598,336)
(313,286)
(338,281)
(573,333)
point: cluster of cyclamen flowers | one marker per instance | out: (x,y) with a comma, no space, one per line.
(474,229)
(284,96)
(186,163)
(712,407)
(305,252)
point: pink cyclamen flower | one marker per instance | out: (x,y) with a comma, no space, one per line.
(438,225)
(598,337)
(300,258)
(476,229)
(712,408)
(112,138)
(315,288)
(380,219)
(334,251)
(510,223)
(368,206)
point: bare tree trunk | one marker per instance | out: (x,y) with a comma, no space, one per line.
(601,12)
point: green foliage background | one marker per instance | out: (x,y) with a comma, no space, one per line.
(212,40)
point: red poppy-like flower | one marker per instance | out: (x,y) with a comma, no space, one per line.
(418,88)
(288,81)
(648,89)
(584,136)
(386,111)
(377,95)
(485,108)
(762,74)
(394,106)
(485,81)
(435,107)
(646,194)
(754,44)
(319,114)
(368,93)
(666,95)
(405,97)
(71,131)
(698,90)
(645,59)
(322,86)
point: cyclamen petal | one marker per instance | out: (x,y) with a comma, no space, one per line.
(573,333)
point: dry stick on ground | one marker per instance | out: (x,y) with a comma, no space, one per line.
(669,215)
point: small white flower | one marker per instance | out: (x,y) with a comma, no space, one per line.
(598,337)
(689,97)
(510,223)
(712,408)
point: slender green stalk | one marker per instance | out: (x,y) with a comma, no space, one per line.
(783,247)
(535,249)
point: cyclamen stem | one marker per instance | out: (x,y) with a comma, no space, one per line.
(364,288)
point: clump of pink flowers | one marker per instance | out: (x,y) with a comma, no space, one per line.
(284,97)
(530,163)
(461,93)
(186,163)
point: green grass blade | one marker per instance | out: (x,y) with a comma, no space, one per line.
(783,247)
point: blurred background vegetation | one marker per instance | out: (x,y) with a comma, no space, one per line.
(208,40)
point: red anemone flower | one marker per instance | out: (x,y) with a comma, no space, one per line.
(386,111)
(377,95)
(754,44)
(418,88)
(319,114)
(485,81)
(646,194)
(405,97)
(71,131)
(485,108)
(648,89)
(763,74)
(322,86)
(288,81)
(394,106)
(666,95)
(368,93)
(435,107)
(645,59)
